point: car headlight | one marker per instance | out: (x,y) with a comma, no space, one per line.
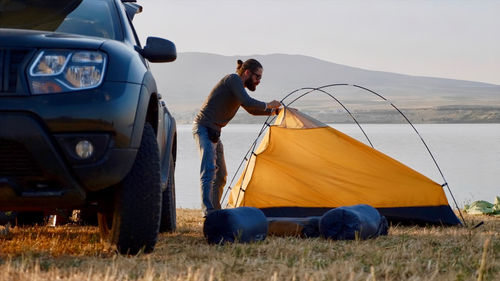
(59,71)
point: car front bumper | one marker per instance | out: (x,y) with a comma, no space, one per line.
(38,166)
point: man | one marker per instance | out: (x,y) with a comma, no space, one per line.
(218,109)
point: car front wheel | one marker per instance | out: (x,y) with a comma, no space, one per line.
(133,221)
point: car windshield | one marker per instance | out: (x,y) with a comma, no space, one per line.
(85,17)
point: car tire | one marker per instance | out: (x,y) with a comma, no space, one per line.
(168,212)
(132,224)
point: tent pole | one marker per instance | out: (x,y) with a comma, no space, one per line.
(341,104)
(425,144)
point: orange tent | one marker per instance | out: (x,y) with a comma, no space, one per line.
(303,167)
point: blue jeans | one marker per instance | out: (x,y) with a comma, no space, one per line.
(213,172)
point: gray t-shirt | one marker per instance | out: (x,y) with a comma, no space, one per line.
(225,100)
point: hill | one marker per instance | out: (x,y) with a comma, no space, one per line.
(186,82)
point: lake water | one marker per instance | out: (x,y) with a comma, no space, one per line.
(467,154)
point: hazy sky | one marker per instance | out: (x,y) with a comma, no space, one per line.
(457,39)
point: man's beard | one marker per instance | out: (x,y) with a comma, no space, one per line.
(249,84)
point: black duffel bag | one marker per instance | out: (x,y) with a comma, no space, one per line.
(242,224)
(353,222)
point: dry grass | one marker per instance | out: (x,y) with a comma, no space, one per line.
(407,253)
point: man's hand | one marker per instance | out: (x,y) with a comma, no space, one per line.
(274,106)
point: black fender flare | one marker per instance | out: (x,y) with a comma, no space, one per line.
(147,91)
(151,108)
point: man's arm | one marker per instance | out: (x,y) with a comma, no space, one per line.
(272,108)
(235,85)
(255,111)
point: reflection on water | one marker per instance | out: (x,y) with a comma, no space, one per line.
(468,155)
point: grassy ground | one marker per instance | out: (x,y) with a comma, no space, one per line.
(407,253)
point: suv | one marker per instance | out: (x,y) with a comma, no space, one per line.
(81,120)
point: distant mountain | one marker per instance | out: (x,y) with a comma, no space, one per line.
(186,82)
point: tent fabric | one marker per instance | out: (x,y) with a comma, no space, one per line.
(407,215)
(297,121)
(303,163)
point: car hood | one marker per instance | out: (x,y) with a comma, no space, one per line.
(20,38)
(35,14)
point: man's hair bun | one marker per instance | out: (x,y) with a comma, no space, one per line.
(240,63)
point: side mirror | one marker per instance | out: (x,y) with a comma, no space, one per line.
(159,50)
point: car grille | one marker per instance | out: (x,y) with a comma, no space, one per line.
(17,162)
(12,64)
